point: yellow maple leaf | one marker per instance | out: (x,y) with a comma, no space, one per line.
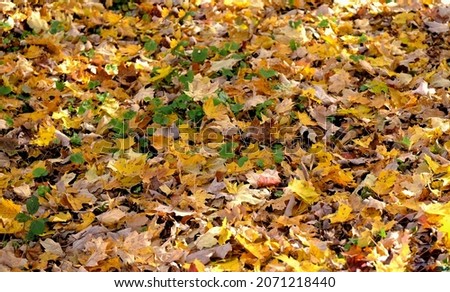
(433,165)
(125,143)
(8,213)
(238,3)
(68,121)
(162,73)
(110,105)
(254,248)
(111,17)
(8,209)
(386,179)
(217,112)
(127,167)
(60,217)
(440,214)
(343,214)
(225,233)
(304,190)
(305,119)
(233,265)
(403,18)
(130,50)
(293,263)
(46,135)
(400,259)
(165,12)
(192,164)
(87,219)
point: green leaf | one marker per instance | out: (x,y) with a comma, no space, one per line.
(199,55)
(37,226)
(9,121)
(182,102)
(5,90)
(235,108)
(77,158)
(32,205)
(60,85)
(261,108)
(39,172)
(323,23)
(160,118)
(227,150)
(150,46)
(167,110)
(93,84)
(89,53)
(267,73)
(56,26)
(260,163)
(363,87)
(187,78)
(120,127)
(112,69)
(295,24)
(278,153)
(4,24)
(22,217)
(102,96)
(75,139)
(128,115)
(406,141)
(383,233)
(362,39)
(356,58)
(241,161)
(196,114)
(84,106)
(293,45)
(42,190)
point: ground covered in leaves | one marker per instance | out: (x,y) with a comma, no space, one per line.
(236,135)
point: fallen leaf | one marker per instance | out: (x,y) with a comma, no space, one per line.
(304,190)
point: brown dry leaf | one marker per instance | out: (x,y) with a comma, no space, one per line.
(339,81)
(9,260)
(23,191)
(250,196)
(52,247)
(96,251)
(201,88)
(111,217)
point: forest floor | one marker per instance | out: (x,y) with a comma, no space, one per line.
(230,135)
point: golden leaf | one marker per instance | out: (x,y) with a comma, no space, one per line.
(233,265)
(45,136)
(254,248)
(60,217)
(87,218)
(386,179)
(305,119)
(126,143)
(8,209)
(217,112)
(294,264)
(162,73)
(343,214)
(304,190)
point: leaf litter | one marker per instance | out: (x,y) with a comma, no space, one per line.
(224,136)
